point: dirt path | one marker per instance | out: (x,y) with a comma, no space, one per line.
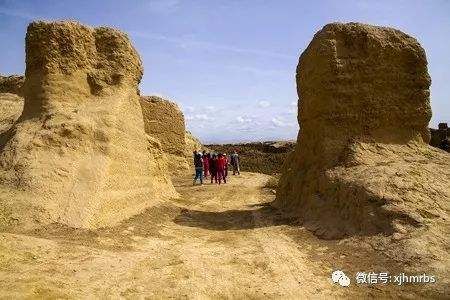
(214,242)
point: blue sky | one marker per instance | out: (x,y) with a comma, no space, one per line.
(230,65)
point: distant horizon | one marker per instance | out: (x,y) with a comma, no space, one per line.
(248,142)
(230,65)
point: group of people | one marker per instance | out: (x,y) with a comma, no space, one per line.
(215,166)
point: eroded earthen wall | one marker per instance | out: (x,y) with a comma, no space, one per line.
(164,120)
(79,155)
(361,165)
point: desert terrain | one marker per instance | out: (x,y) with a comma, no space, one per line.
(97,200)
(212,242)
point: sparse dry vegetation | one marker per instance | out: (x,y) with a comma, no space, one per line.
(258,157)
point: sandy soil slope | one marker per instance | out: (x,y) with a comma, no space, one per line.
(213,242)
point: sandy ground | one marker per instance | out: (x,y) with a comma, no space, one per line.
(214,242)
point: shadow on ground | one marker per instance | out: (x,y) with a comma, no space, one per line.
(120,237)
(264,216)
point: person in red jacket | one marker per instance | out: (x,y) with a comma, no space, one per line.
(213,167)
(206,158)
(221,168)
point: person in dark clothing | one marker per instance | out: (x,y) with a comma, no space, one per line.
(198,164)
(235,163)
(225,171)
(213,168)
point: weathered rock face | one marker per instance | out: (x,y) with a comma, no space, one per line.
(356,80)
(12,84)
(361,165)
(193,144)
(165,121)
(11,101)
(78,155)
(11,106)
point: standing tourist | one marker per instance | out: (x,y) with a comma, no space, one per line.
(213,168)
(206,158)
(235,163)
(198,164)
(221,168)
(225,174)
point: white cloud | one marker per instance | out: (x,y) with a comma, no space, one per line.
(292,110)
(244,124)
(280,122)
(247,129)
(263,104)
(199,117)
(203,117)
(190,109)
(243,119)
(211,108)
